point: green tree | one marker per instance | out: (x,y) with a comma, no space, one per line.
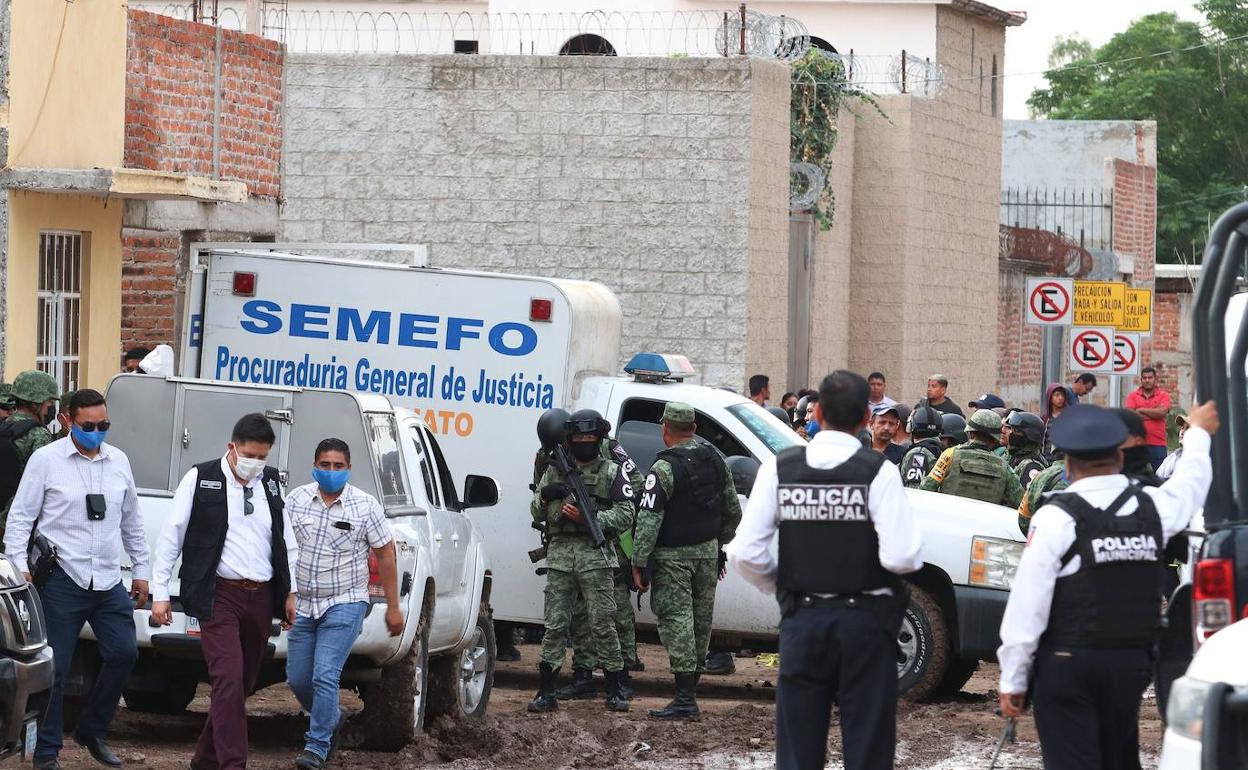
(1199,98)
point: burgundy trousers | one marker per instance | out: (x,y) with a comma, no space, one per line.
(234,643)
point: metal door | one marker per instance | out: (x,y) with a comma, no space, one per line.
(208,414)
(801,252)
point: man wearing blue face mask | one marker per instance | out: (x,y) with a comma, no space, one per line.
(80,494)
(337,526)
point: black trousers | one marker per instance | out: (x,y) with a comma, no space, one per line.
(1087,706)
(836,653)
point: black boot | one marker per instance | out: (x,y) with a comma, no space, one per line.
(626,684)
(545,699)
(582,687)
(720,664)
(617,698)
(685,704)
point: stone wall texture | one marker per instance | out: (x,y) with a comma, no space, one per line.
(172,74)
(830,268)
(663,178)
(923,277)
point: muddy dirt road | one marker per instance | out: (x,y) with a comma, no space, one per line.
(736,731)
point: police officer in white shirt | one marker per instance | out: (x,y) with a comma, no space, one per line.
(846,532)
(1085,606)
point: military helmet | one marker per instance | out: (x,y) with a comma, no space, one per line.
(1030,425)
(586,421)
(744,470)
(780,414)
(6,396)
(551,427)
(984,421)
(953,427)
(925,422)
(35,387)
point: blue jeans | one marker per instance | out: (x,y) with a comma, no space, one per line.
(66,606)
(317,649)
(1157,455)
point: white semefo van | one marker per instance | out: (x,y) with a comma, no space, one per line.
(479,356)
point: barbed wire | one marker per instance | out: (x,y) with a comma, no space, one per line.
(920,77)
(622,33)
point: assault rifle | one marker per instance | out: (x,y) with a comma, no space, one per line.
(552,435)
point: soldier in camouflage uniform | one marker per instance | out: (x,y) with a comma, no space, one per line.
(688,512)
(925,427)
(575,565)
(1051,479)
(34,398)
(1023,433)
(972,470)
(7,404)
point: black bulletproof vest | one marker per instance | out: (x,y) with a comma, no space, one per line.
(828,543)
(695,510)
(1113,599)
(918,466)
(205,540)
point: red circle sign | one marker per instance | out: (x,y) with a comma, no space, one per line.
(1091,349)
(1049,301)
(1124,354)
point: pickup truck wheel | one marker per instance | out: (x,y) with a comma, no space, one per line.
(461,682)
(394,708)
(924,651)
(174,699)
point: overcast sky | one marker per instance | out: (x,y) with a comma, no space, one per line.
(1027,47)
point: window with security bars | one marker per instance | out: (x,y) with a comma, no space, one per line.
(60,305)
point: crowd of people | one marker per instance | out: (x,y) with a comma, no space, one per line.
(999,454)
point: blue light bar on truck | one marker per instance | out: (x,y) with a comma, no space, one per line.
(658,367)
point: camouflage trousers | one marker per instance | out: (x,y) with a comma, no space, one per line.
(597,586)
(683,599)
(583,653)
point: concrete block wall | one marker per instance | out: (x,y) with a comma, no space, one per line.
(830,271)
(637,172)
(173,78)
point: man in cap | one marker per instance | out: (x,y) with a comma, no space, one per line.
(925,427)
(688,512)
(885,421)
(972,470)
(846,532)
(575,566)
(1083,612)
(25,430)
(937,386)
(987,401)
(1167,467)
(1022,433)
(6,401)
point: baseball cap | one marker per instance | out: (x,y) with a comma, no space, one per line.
(988,401)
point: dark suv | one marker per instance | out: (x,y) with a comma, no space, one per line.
(25,661)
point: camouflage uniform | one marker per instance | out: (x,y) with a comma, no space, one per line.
(576,567)
(684,576)
(972,470)
(1027,463)
(33,387)
(1051,479)
(918,461)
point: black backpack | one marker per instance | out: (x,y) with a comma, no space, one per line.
(10,460)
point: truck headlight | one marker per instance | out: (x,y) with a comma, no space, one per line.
(1185,711)
(994,562)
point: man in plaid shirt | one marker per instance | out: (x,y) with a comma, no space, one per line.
(336,526)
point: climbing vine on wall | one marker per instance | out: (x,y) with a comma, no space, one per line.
(820,88)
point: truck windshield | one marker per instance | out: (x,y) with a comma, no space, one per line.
(768,429)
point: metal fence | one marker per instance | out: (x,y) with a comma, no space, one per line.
(1064,231)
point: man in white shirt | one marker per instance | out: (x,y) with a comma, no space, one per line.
(80,494)
(237,549)
(846,532)
(1086,601)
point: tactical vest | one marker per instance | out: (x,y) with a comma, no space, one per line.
(205,540)
(694,511)
(1113,599)
(828,543)
(919,460)
(1027,464)
(598,478)
(977,473)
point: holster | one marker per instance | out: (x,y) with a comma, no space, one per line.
(891,610)
(42,558)
(788,603)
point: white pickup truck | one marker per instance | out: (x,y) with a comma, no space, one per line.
(443,662)
(479,356)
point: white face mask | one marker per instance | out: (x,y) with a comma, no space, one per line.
(247,468)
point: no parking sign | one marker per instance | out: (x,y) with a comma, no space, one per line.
(1091,349)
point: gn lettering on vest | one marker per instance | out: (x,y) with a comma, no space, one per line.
(1136,548)
(830,502)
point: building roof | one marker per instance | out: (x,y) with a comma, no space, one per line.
(976,8)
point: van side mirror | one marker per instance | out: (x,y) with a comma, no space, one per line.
(480,492)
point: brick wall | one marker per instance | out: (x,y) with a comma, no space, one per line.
(149,288)
(636,172)
(171,71)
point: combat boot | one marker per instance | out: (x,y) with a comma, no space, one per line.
(626,684)
(720,664)
(617,698)
(582,687)
(545,699)
(685,704)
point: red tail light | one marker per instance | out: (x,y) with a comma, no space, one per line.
(374,578)
(1213,596)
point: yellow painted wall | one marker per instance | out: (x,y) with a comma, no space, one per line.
(67,83)
(100,222)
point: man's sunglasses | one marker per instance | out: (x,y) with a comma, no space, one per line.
(92,427)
